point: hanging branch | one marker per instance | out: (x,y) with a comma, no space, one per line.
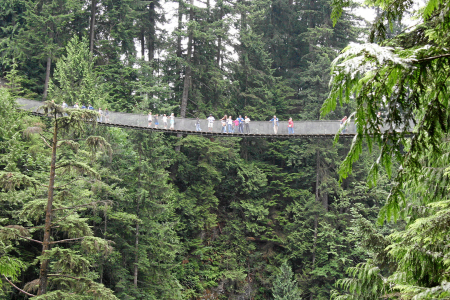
(20,290)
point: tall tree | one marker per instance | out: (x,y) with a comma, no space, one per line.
(408,84)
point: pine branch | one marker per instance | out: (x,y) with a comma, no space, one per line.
(20,290)
(45,141)
(76,179)
(22,237)
(67,240)
(63,275)
(433,57)
(81,205)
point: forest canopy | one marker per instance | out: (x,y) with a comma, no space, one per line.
(97,212)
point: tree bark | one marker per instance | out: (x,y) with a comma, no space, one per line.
(47,75)
(151,32)
(188,73)
(92,25)
(219,40)
(138,201)
(316,217)
(43,276)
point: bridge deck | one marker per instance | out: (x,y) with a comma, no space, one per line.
(187,126)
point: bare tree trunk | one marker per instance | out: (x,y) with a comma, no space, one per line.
(219,40)
(136,245)
(316,217)
(47,76)
(43,278)
(138,200)
(188,73)
(151,33)
(92,25)
(142,39)
(180,26)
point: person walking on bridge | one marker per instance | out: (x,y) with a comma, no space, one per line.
(274,121)
(197,125)
(344,124)
(236,126)
(150,118)
(165,121)
(241,124)
(172,121)
(247,124)
(106,115)
(100,115)
(210,122)
(290,126)
(230,125)
(156,121)
(224,123)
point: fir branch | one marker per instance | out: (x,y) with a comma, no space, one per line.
(433,57)
(64,275)
(22,237)
(45,141)
(19,289)
(82,205)
(67,240)
(76,179)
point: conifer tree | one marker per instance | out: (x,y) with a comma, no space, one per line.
(284,286)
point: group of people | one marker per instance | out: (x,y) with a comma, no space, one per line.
(228,124)
(240,125)
(165,120)
(90,107)
(275,123)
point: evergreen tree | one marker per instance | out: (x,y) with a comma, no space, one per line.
(284,286)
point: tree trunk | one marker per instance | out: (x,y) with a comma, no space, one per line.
(43,278)
(47,75)
(138,201)
(142,39)
(136,256)
(316,217)
(151,33)
(180,26)
(188,73)
(219,40)
(92,25)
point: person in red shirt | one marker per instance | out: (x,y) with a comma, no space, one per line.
(290,126)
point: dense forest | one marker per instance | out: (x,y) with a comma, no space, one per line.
(96,212)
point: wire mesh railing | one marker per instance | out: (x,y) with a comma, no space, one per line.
(188,125)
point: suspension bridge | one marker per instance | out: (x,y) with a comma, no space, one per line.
(187,126)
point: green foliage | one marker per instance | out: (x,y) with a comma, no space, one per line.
(408,84)
(284,288)
(74,79)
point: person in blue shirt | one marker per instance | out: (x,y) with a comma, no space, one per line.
(83,106)
(90,107)
(241,124)
(274,121)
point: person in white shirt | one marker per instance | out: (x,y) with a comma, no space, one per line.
(172,121)
(164,119)
(64,105)
(106,115)
(230,125)
(247,124)
(210,122)
(76,106)
(100,112)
